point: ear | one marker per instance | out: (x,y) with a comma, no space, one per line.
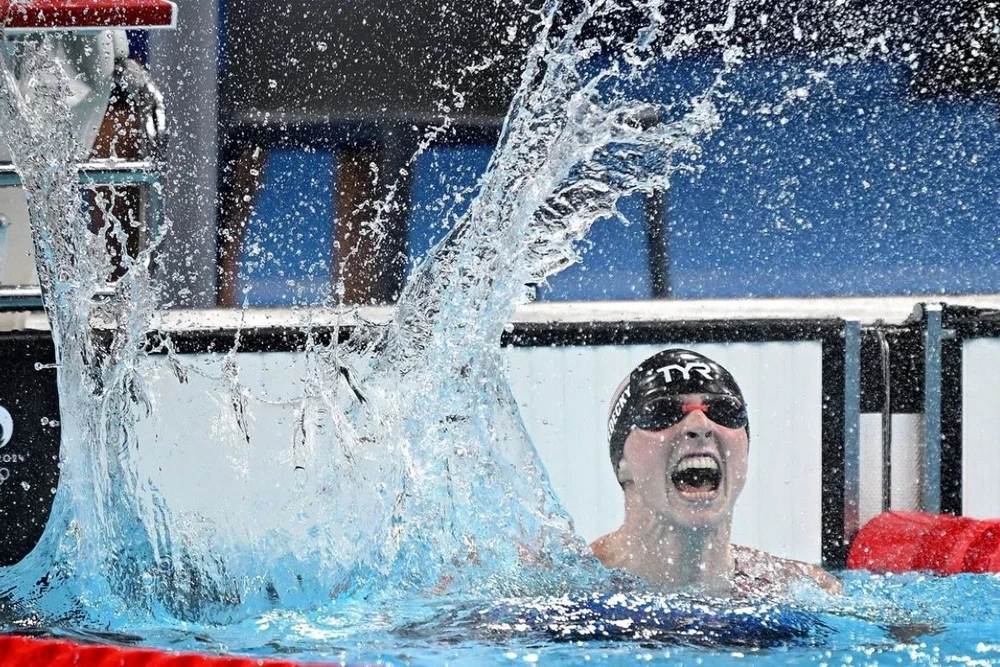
(625,473)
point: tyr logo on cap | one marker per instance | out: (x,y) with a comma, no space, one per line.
(6,426)
(695,366)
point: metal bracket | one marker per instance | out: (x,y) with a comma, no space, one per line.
(96,172)
(20,297)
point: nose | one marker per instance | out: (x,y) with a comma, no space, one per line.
(697,425)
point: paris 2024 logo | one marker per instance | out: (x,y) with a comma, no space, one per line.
(6,426)
(6,433)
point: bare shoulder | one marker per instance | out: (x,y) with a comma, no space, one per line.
(759,571)
(608,550)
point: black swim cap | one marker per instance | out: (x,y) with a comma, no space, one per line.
(668,373)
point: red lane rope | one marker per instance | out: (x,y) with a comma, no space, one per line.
(81,14)
(18,651)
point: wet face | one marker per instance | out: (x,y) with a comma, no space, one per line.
(688,474)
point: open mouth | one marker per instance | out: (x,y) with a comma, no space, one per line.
(697,477)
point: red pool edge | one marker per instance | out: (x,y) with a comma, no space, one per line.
(36,15)
(21,651)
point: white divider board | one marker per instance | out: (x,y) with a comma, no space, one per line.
(563,393)
(981,428)
(204,468)
(907,448)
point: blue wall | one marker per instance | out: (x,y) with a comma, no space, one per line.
(862,189)
(818,184)
(287,254)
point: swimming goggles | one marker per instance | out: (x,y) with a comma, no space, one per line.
(661,413)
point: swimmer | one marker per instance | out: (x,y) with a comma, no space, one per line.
(679,439)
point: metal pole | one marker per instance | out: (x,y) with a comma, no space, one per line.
(29,297)
(20,297)
(852,428)
(657,238)
(933,335)
(185,63)
(886,421)
(96,172)
(4,224)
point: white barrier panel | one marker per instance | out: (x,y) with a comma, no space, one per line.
(907,459)
(563,393)
(980,428)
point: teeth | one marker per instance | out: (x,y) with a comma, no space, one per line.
(703,462)
(698,495)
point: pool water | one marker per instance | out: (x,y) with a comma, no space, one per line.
(880,620)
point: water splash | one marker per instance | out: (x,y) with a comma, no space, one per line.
(422,477)
(96,382)
(576,141)
(417,473)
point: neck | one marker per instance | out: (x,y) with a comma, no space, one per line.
(672,557)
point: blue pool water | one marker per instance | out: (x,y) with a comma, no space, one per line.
(880,620)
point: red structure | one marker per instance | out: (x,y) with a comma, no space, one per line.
(24,651)
(940,543)
(23,16)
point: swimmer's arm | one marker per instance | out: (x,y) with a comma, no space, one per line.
(600,549)
(787,569)
(823,579)
(526,555)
